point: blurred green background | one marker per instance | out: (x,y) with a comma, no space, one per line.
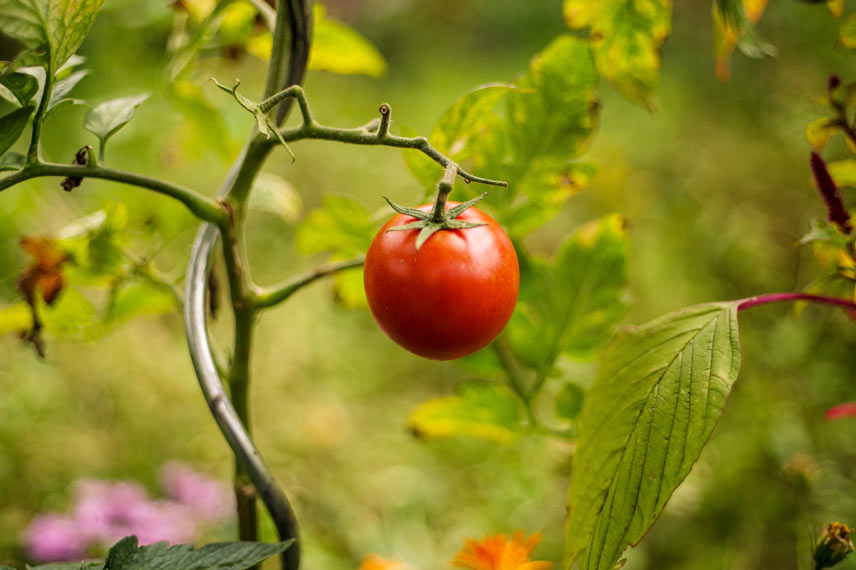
(715,185)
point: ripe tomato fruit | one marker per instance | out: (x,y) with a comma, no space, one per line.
(452,296)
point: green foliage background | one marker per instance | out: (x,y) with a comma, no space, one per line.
(714,184)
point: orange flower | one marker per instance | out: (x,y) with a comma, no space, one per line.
(375,562)
(500,553)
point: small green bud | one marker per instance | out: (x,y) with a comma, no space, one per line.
(833,546)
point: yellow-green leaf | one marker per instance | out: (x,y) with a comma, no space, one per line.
(460,124)
(15,318)
(341,49)
(626,37)
(484,410)
(843,172)
(847,32)
(817,132)
(335,47)
(573,303)
(56,26)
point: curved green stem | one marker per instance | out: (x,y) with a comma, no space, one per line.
(271,296)
(38,119)
(202,207)
(500,348)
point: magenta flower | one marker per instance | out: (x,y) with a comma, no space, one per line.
(53,537)
(105,512)
(208,498)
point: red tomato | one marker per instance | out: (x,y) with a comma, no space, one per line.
(452,296)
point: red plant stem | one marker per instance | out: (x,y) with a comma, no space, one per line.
(778,297)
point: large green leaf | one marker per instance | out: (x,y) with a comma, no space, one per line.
(460,124)
(11,127)
(657,396)
(126,555)
(574,303)
(549,119)
(479,409)
(56,27)
(626,38)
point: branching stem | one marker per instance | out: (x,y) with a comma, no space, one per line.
(271,296)
(202,207)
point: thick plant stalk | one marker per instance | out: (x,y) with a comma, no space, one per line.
(294,21)
(218,401)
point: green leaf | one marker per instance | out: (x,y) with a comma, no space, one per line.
(15,318)
(64,86)
(140,299)
(12,161)
(96,243)
(57,27)
(110,116)
(843,172)
(457,127)
(18,88)
(71,316)
(731,20)
(342,225)
(549,119)
(485,410)
(626,39)
(11,127)
(57,106)
(847,32)
(574,303)
(341,49)
(823,231)
(126,555)
(569,401)
(275,195)
(657,396)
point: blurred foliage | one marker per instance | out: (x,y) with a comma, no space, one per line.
(715,187)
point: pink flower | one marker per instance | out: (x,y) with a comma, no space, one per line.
(208,498)
(841,411)
(106,512)
(52,537)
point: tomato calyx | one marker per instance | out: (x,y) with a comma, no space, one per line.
(439,218)
(427,222)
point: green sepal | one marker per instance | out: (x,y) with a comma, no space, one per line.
(408,211)
(428,226)
(411,226)
(453,213)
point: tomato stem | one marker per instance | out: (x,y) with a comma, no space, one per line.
(444,187)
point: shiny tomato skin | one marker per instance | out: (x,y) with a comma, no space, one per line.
(452,296)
